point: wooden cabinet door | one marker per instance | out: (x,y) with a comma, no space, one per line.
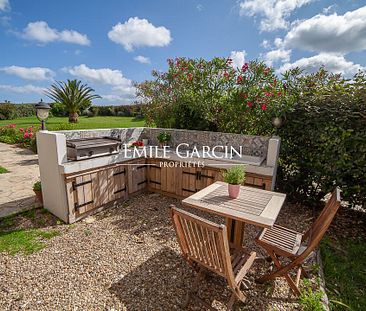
(189,181)
(257,181)
(154,178)
(137,179)
(117,183)
(168,177)
(206,177)
(80,194)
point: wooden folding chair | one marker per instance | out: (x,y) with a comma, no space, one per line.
(282,242)
(205,246)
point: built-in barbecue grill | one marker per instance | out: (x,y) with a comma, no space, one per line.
(80,149)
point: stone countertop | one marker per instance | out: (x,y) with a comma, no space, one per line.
(83,165)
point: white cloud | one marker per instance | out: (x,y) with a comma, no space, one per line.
(332,62)
(105,76)
(27,89)
(274,12)
(4,5)
(330,33)
(199,7)
(277,55)
(238,58)
(329,9)
(142,59)
(29,73)
(138,32)
(41,32)
(265,44)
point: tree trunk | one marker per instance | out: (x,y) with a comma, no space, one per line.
(73,117)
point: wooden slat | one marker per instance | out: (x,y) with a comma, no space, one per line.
(255,206)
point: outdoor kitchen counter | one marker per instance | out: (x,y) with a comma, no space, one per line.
(83,165)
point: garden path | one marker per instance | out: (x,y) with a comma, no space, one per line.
(16,193)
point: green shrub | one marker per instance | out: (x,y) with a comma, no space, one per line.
(311,300)
(7,111)
(59,110)
(213,95)
(234,175)
(24,110)
(37,186)
(324,139)
(163,137)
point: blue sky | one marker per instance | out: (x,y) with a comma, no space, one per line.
(110,44)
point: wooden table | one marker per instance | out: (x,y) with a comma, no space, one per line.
(253,206)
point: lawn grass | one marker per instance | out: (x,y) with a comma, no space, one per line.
(84,122)
(15,239)
(345,273)
(3,170)
(25,241)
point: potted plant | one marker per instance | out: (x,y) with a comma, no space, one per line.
(163,138)
(234,176)
(37,188)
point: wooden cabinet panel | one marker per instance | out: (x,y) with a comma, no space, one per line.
(137,179)
(80,194)
(154,179)
(258,181)
(117,183)
(206,177)
(92,190)
(189,179)
(168,177)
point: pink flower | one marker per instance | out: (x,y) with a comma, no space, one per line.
(21,129)
(239,80)
(190,77)
(30,134)
(268,94)
(226,75)
(26,135)
(264,107)
(279,94)
(250,104)
(245,67)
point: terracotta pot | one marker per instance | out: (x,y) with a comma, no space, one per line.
(234,190)
(39,196)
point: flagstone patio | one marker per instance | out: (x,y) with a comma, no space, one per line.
(16,193)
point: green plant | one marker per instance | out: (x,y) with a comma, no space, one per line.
(214,95)
(163,137)
(25,241)
(234,175)
(7,111)
(74,95)
(3,170)
(344,272)
(311,300)
(323,141)
(37,186)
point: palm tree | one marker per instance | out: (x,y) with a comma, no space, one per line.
(74,95)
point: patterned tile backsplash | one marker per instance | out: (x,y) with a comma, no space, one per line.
(251,145)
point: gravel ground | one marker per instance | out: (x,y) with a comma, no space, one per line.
(127,258)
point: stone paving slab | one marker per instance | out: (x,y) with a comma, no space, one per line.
(16,193)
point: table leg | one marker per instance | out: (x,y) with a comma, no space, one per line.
(235,231)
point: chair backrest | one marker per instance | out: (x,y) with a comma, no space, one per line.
(322,223)
(203,242)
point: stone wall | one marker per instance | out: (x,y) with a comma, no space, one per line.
(252,145)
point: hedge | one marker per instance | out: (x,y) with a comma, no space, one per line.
(323,133)
(10,111)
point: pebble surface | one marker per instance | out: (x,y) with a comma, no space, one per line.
(127,258)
